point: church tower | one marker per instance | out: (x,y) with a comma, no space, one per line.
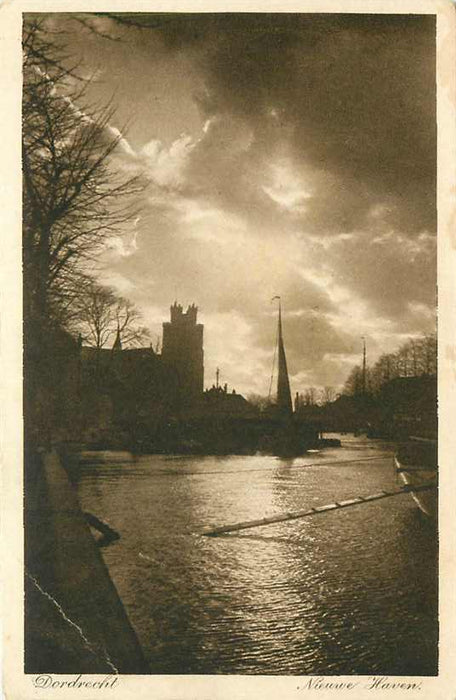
(182,351)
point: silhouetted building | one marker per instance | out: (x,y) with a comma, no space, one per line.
(136,388)
(218,401)
(182,352)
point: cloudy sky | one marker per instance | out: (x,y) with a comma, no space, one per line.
(286,154)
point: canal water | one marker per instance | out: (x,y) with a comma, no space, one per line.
(347,592)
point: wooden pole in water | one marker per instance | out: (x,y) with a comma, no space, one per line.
(282,517)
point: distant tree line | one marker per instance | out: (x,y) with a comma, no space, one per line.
(312,396)
(415,358)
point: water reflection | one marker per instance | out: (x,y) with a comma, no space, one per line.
(352,591)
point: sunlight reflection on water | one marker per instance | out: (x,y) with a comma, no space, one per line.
(352,591)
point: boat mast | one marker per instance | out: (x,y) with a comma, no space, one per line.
(284,403)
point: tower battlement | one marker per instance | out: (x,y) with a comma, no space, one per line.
(178,315)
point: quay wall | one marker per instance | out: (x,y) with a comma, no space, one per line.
(74,619)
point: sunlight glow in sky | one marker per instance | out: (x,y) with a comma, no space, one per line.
(290,155)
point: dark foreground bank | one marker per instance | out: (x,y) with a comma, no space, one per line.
(74,619)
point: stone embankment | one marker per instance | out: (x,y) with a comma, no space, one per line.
(74,619)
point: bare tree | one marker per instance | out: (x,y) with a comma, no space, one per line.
(430,353)
(310,396)
(354,382)
(72,197)
(414,358)
(128,321)
(328,394)
(102,315)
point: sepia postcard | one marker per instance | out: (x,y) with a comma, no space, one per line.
(228,349)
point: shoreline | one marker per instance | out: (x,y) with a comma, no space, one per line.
(75,621)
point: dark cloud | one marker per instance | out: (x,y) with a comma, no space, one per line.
(355,93)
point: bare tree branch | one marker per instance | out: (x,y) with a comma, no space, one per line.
(73,198)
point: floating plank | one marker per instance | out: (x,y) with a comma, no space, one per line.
(283,517)
(376,496)
(320,509)
(350,502)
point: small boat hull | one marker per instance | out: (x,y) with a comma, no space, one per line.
(416,465)
(425,500)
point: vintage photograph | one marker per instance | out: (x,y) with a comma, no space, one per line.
(230,350)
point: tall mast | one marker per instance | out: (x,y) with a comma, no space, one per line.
(364,366)
(284,403)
